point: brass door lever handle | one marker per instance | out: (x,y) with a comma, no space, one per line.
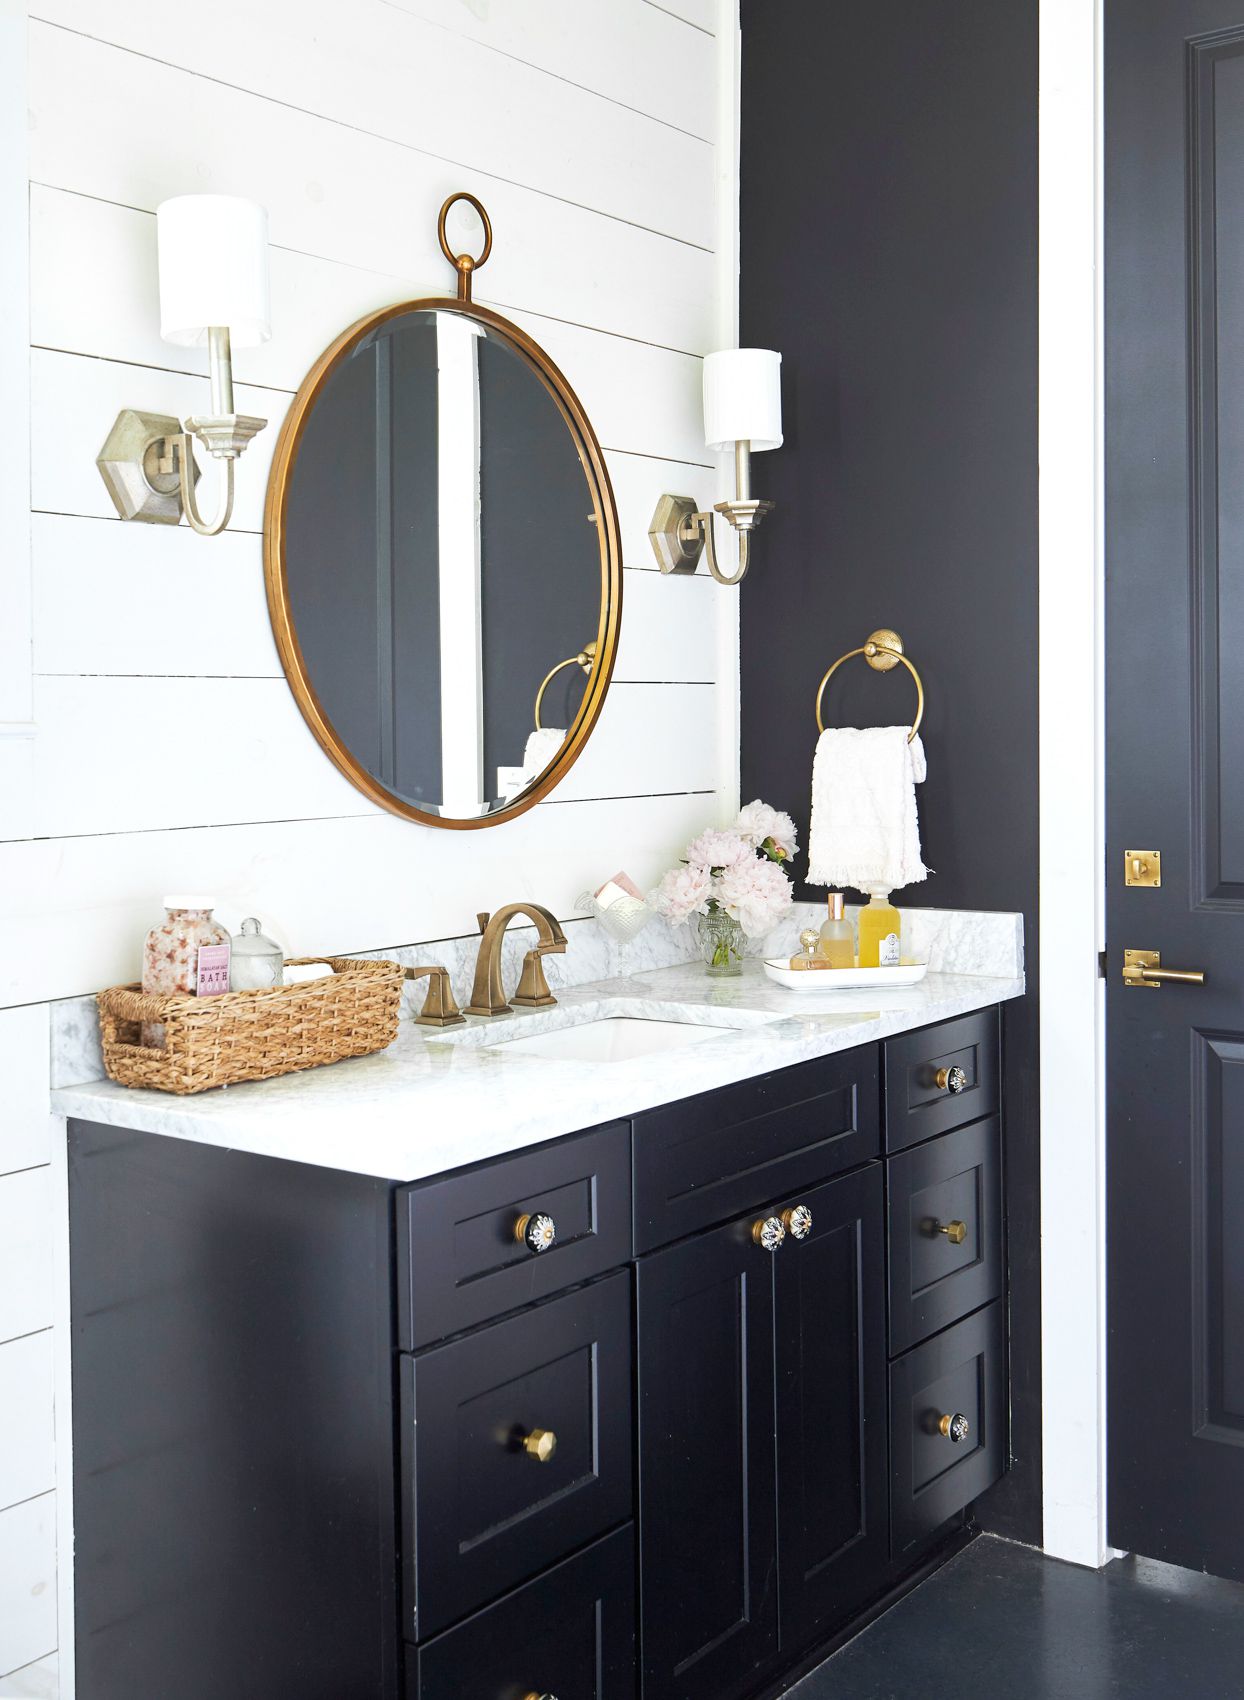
(1144,968)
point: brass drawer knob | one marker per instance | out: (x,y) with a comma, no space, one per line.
(955,1232)
(955,1427)
(768,1232)
(797,1222)
(950,1079)
(537,1232)
(532,1695)
(540,1444)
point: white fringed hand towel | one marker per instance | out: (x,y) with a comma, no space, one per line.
(542,746)
(865,830)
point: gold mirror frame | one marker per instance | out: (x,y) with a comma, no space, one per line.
(604,515)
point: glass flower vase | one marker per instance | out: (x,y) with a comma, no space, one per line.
(721,942)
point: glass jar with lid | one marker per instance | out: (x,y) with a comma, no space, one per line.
(257,963)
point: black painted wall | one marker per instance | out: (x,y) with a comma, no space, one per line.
(889,249)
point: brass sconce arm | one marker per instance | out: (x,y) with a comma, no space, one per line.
(680,533)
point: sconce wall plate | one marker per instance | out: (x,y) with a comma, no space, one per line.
(677,541)
(130,465)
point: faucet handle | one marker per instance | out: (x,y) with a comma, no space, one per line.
(439,1008)
(483,917)
(533,989)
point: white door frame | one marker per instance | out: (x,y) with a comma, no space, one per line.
(1072,786)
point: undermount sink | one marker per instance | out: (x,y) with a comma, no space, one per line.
(615,1038)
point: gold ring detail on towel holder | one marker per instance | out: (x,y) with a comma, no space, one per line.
(586,658)
(883,650)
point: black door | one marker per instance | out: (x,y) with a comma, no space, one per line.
(833,1464)
(708,1537)
(1175,775)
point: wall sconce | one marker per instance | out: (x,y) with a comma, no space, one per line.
(214,290)
(742,411)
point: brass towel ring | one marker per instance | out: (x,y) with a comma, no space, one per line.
(883,650)
(586,658)
(463,263)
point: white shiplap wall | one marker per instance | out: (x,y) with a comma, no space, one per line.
(147,738)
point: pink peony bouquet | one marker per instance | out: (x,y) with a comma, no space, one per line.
(739,871)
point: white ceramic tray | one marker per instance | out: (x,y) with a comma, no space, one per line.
(842,979)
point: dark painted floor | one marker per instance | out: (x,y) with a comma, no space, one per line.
(1000,1622)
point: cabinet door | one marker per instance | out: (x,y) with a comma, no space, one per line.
(833,1529)
(707,1510)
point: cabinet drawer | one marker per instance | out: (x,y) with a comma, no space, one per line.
(459,1260)
(940,1078)
(483,1510)
(571,1633)
(936,1276)
(705,1159)
(957,1374)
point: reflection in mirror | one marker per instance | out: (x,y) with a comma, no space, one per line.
(442,558)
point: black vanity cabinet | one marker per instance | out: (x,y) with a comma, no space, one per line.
(762,1438)
(337,1438)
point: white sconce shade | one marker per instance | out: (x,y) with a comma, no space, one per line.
(743,398)
(213,269)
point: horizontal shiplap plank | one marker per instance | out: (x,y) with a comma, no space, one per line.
(27,1583)
(315,296)
(195,752)
(648,738)
(144,599)
(700,13)
(73,912)
(141,755)
(385,76)
(74,401)
(668,630)
(73,404)
(201,611)
(25,1254)
(26,1126)
(27,1428)
(39,1681)
(613,49)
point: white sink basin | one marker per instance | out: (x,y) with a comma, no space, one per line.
(616,1038)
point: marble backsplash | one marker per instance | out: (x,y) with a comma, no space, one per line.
(953,941)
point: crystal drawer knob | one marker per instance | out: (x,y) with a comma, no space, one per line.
(531,1694)
(797,1222)
(537,1232)
(540,1444)
(950,1079)
(955,1427)
(955,1232)
(768,1232)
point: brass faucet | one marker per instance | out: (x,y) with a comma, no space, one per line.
(488,994)
(439,1008)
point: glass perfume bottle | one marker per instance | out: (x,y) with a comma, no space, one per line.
(836,944)
(880,932)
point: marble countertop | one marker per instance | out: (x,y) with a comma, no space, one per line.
(438,1100)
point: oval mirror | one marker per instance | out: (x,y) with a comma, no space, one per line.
(443,562)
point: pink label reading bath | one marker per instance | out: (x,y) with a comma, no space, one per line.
(213,970)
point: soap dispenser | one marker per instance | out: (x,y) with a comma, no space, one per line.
(880,931)
(836,944)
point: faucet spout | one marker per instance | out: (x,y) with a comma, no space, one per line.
(488,994)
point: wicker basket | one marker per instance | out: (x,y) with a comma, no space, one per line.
(238,1036)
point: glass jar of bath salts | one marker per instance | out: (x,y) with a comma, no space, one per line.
(188,953)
